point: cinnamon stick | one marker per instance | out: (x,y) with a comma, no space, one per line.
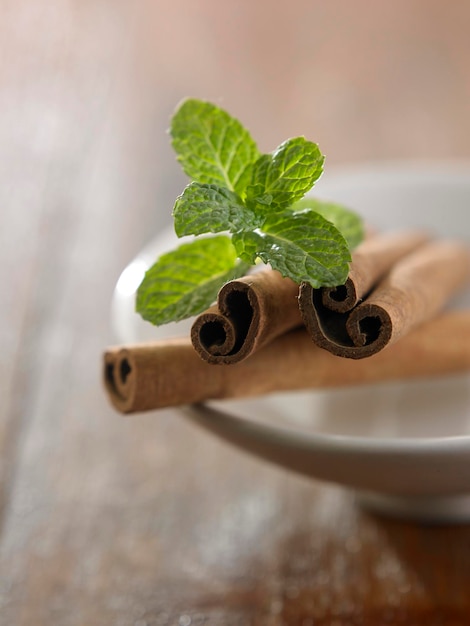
(415,288)
(250,312)
(170,373)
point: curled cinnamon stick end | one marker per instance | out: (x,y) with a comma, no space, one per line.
(414,290)
(370,261)
(250,312)
(156,375)
(169,373)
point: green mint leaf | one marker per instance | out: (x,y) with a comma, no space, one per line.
(247,245)
(303,246)
(346,221)
(186,281)
(283,177)
(203,208)
(212,146)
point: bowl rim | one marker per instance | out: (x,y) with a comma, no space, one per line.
(339,443)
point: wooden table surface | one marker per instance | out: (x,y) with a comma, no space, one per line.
(148,521)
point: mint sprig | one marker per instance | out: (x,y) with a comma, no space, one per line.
(258,201)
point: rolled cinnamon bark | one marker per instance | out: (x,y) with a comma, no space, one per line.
(414,290)
(250,312)
(371,260)
(170,373)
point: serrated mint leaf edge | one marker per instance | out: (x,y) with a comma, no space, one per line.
(351,226)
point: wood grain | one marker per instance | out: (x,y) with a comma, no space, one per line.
(152,522)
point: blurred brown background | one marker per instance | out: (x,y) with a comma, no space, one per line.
(148,521)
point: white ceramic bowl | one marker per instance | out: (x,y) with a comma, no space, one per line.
(403,447)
